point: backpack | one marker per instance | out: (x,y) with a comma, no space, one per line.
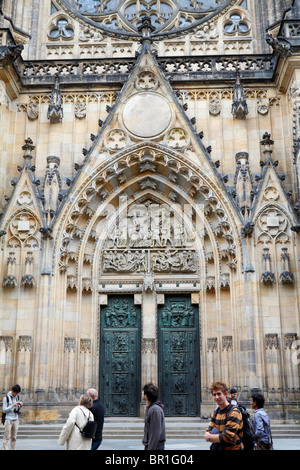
(4,414)
(89,430)
(248,429)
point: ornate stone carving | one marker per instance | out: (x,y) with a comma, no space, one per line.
(25,343)
(278,45)
(7,341)
(28,280)
(32,111)
(289,339)
(212,344)
(85,346)
(207,31)
(146,80)
(215,106)
(80,110)
(263,106)
(272,341)
(87,34)
(69,344)
(177,138)
(268,276)
(224,281)
(210,284)
(239,108)
(174,261)
(72,282)
(55,109)
(10,281)
(25,198)
(149,345)
(285,277)
(23,230)
(273,225)
(116,139)
(227,343)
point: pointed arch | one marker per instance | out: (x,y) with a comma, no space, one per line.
(141,172)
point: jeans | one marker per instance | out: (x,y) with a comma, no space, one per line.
(95,444)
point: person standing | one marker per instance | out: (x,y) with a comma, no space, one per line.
(11,408)
(98,412)
(77,420)
(154,427)
(232,397)
(225,430)
(263,437)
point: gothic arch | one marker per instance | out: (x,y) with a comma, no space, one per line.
(144,171)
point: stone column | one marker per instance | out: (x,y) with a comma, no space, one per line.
(273,372)
(85,364)
(291,366)
(6,362)
(149,366)
(69,365)
(24,355)
(212,360)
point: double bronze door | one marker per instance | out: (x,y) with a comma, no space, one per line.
(178,356)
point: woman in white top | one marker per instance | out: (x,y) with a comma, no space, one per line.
(78,418)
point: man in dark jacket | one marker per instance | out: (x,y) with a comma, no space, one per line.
(154,429)
(98,412)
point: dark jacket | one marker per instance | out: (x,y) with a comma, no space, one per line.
(98,412)
(154,430)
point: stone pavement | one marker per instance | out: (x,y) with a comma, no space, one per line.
(135,445)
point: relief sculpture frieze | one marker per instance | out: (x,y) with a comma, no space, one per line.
(182,261)
(150,239)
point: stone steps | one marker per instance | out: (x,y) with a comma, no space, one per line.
(132,428)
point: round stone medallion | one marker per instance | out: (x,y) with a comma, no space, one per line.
(146,115)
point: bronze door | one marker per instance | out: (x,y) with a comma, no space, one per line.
(179,362)
(120,387)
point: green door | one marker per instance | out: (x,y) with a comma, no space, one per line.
(120,387)
(178,351)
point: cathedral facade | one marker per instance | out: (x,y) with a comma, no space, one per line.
(149,197)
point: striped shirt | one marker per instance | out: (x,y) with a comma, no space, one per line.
(229,427)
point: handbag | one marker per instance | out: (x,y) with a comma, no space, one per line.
(89,430)
(260,445)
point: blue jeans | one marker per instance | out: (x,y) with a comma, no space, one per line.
(95,444)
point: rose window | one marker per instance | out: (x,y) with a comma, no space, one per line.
(124,17)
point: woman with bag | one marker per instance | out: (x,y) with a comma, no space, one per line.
(73,431)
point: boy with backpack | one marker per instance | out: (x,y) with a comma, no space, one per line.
(10,417)
(225,430)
